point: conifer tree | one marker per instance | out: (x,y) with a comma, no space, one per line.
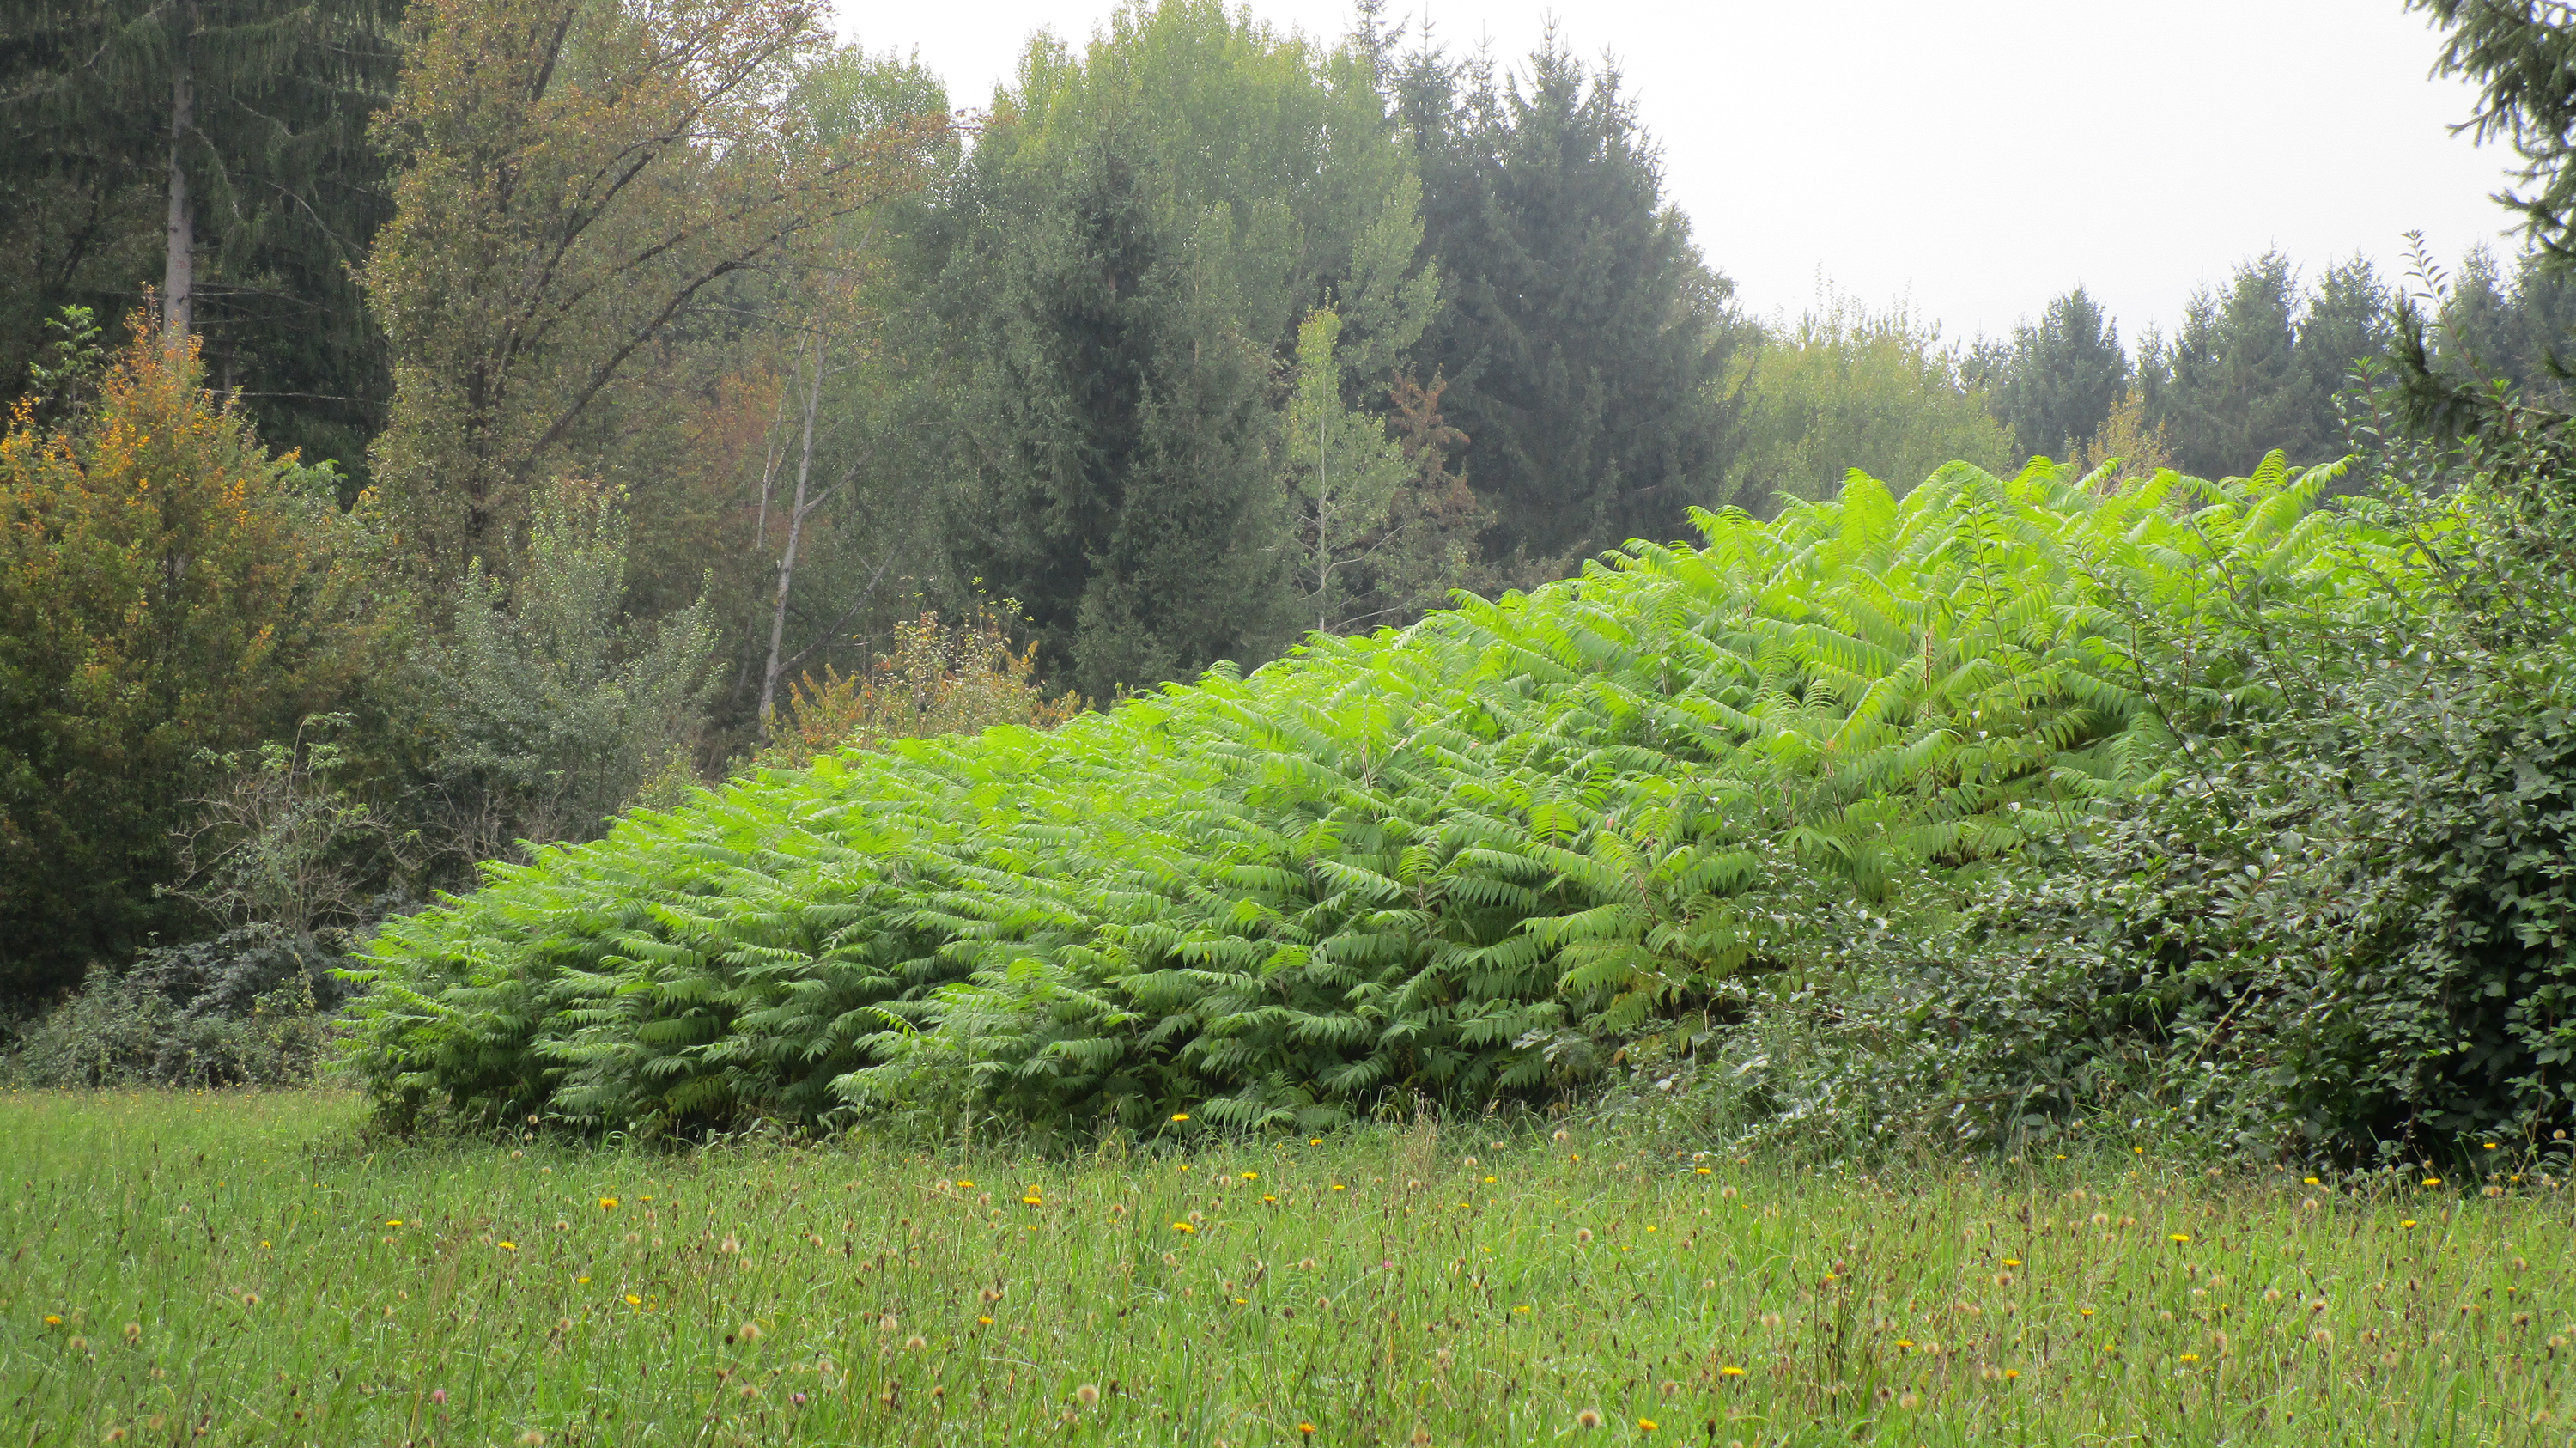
(2234,386)
(1584,340)
(2062,376)
(1124,269)
(217,150)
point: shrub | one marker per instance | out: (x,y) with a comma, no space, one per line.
(166,587)
(240,1010)
(1435,860)
(939,680)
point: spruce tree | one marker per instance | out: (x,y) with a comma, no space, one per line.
(2061,377)
(2234,386)
(1585,341)
(1125,266)
(215,150)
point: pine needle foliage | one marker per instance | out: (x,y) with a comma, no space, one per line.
(1400,863)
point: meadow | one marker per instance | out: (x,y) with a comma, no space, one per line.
(259,1268)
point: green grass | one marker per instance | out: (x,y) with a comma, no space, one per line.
(226,1268)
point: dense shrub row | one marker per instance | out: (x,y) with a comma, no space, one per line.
(1472,859)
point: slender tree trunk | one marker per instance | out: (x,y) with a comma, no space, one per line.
(787,556)
(179,271)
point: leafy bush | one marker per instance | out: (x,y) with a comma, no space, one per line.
(247,1008)
(939,680)
(1434,860)
(2347,925)
(167,587)
(546,710)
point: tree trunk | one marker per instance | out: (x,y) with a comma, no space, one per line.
(787,556)
(179,271)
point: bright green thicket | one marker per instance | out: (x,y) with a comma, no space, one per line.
(1420,862)
(230,1269)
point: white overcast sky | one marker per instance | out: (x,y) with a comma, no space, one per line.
(1976,157)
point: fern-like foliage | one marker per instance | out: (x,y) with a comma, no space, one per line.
(1391,863)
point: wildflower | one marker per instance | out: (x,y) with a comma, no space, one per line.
(1031,1200)
(1184,1228)
(508,1246)
(2432,1181)
(1308,1429)
(1252,1176)
(2012,1261)
(52,1321)
(1905,1342)
(1645,1425)
(1270,1199)
(1086,1395)
(1180,1116)
(1701,1170)
(2308,1181)
(396,1222)
(983,1322)
(2011,1373)
(1489,1181)
(2408,1224)
(2178,1238)
(965,1185)
(2191,1357)
(1582,1234)
(438,1396)
(1337,1186)
(608,1204)
(634,1301)
(1588,1418)
(1730,1372)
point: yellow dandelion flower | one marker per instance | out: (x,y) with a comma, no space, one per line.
(1032,1200)
(1270,1199)
(2191,1357)
(2408,1224)
(983,1322)
(1184,1228)
(2310,1181)
(2011,1373)
(509,1246)
(608,1204)
(52,1321)
(2178,1238)
(1524,1307)
(1337,1186)
(1308,1429)
(1701,1170)
(396,1222)
(634,1301)
(964,1184)
(2432,1181)
(2012,1261)
(1180,1116)
(1489,1181)
(1252,1176)
(1645,1425)
(1730,1372)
